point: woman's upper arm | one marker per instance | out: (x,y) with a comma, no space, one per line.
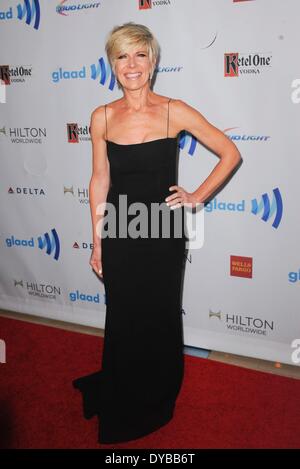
(97,131)
(188,118)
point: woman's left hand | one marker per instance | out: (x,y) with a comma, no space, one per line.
(180,198)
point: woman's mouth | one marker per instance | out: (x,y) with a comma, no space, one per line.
(133,76)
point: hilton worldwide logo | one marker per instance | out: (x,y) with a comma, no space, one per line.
(242,323)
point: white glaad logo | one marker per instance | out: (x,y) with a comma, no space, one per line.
(2,92)
(2,351)
(295,356)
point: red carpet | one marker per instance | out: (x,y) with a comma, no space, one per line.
(220,406)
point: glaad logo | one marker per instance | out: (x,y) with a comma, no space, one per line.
(101,70)
(295,96)
(268,209)
(2,351)
(50,244)
(187,140)
(296,353)
(32,11)
(82,6)
(75,296)
(294,276)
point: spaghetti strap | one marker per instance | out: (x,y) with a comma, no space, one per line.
(168,119)
(105,123)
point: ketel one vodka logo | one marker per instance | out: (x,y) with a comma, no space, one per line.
(236,64)
(145,4)
(77,134)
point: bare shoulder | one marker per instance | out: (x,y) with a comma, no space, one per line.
(181,106)
(98,122)
(186,116)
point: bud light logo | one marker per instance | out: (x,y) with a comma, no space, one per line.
(30,11)
(269,210)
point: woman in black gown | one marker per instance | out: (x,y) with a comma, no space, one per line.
(135,151)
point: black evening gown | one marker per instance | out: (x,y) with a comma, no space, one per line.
(135,391)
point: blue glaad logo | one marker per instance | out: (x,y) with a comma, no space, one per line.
(80,296)
(187,140)
(101,71)
(269,209)
(50,243)
(31,10)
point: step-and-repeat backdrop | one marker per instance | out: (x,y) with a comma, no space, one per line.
(237,62)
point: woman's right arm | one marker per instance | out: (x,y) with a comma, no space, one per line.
(100,179)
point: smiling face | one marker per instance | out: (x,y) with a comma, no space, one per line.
(133,67)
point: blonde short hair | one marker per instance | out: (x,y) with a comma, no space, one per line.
(127,36)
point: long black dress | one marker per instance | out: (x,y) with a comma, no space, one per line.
(143,363)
